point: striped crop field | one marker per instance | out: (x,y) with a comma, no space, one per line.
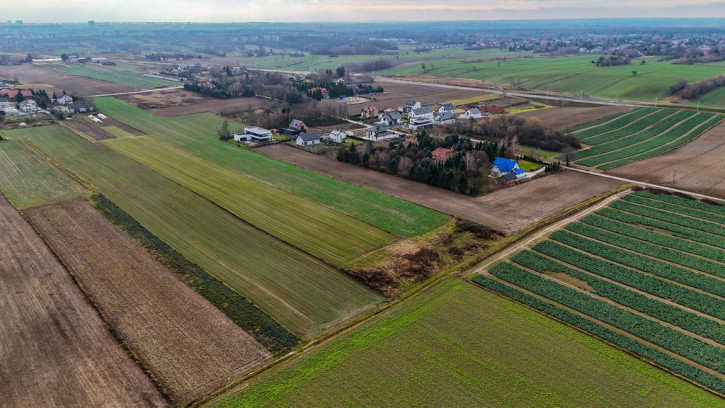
(646,273)
(638,134)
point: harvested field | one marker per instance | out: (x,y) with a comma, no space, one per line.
(564,118)
(54,347)
(396,94)
(175,102)
(90,129)
(694,166)
(188,345)
(56,80)
(533,200)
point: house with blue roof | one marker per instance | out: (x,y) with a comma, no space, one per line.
(503,166)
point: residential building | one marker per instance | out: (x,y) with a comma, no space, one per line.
(447,107)
(4,103)
(28,107)
(308,139)
(295,128)
(473,113)
(442,154)
(421,118)
(392,119)
(337,136)
(369,112)
(444,118)
(409,106)
(64,100)
(254,134)
(503,166)
(378,132)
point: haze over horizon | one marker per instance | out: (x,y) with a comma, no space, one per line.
(224,11)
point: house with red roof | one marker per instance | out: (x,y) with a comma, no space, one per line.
(442,154)
(410,141)
(369,112)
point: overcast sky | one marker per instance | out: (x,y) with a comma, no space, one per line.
(42,11)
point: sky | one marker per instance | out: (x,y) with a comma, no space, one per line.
(45,11)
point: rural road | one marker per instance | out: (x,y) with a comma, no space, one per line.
(138,92)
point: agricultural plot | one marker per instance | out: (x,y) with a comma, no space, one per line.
(563,119)
(525,360)
(302,293)
(194,133)
(640,134)
(119,77)
(318,230)
(96,132)
(189,347)
(642,274)
(27,179)
(54,347)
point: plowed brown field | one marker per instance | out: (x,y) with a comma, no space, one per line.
(188,345)
(564,118)
(53,79)
(54,348)
(507,210)
(697,166)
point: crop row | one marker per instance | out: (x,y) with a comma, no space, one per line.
(688,211)
(655,238)
(615,124)
(653,307)
(670,339)
(665,216)
(646,140)
(634,279)
(665,147)
(684,259)
(630,129)
(628,141)
(699,205)
(642,263)
(620,115)
(663,359)
(676,230)
(244,313)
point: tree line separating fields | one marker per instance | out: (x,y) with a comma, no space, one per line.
(193,133)
(626,266)
(302,293)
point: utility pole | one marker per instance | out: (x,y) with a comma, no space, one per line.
(617,98)
(698,105)
(655,101)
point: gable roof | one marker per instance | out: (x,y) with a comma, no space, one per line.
(447,107)
(474,111)
(505,165)
(410,103)
(393,116)
(509,176)
(338,132)
(442,153)
(422,111)
(377,128)
(446,115)
(295,124)
(309,136)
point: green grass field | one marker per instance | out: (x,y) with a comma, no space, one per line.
(609,266)
(458,345)
(119,77)
(572,75)
(302,293)
(315,229)
(640,134)
(197,134)
(27,179)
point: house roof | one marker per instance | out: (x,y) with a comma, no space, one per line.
(295,124)
(256,130)
(509,176)
(377,128)
(309,136)
(422,111)
(3,99)
(447,107)
(410,103)
(447,115)
(505,165)
(26,103)
(393,116)
(410,141)
(474,111)
(442,153)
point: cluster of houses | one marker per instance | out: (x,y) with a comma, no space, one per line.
(297,130)
(28,106)
(418,117)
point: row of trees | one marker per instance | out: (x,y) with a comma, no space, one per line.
(221,90)
(696,89)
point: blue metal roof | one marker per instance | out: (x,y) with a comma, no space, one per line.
(505,165)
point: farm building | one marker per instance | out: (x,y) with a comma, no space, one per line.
(442,154)
(503,166)
(337,136)
(409,106)
(378,132)
(295,128)
(508,178)
(81,107)
(473,113)
(253,133)
(444,118)
(308,139)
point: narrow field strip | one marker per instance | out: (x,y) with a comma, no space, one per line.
(649,201)
(623,126)
(704,226)
(578,129)
(698,205)
(684,319)
(317,230)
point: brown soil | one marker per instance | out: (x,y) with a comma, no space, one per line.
(52,79)
(396,95)
(507,210)
(90,129)
(54,347)
(174,102)
(188,345)
(564,118)
(696,166)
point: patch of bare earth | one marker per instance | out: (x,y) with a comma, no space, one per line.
(396,94)
(53,79)
(55,350)
(188,346)
(90,129)
(174,102)
(564,118)
(697,166)
(508,210)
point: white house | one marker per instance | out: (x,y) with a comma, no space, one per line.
(337,136)
(444,118)
(473,113)
(391,119)
(28,107)
(409,106)
(253,133)
(64,100)
(447,107)
(378,132)
(420,118)
(308,139)
(4,103)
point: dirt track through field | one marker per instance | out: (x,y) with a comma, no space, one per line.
(54,348)
(697,166)
(507,210)
(564,118)
(188,345)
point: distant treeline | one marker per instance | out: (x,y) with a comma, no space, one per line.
(233,90)
(696,89)
(173,56)
(369,66)
(334,90)
(612,61)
